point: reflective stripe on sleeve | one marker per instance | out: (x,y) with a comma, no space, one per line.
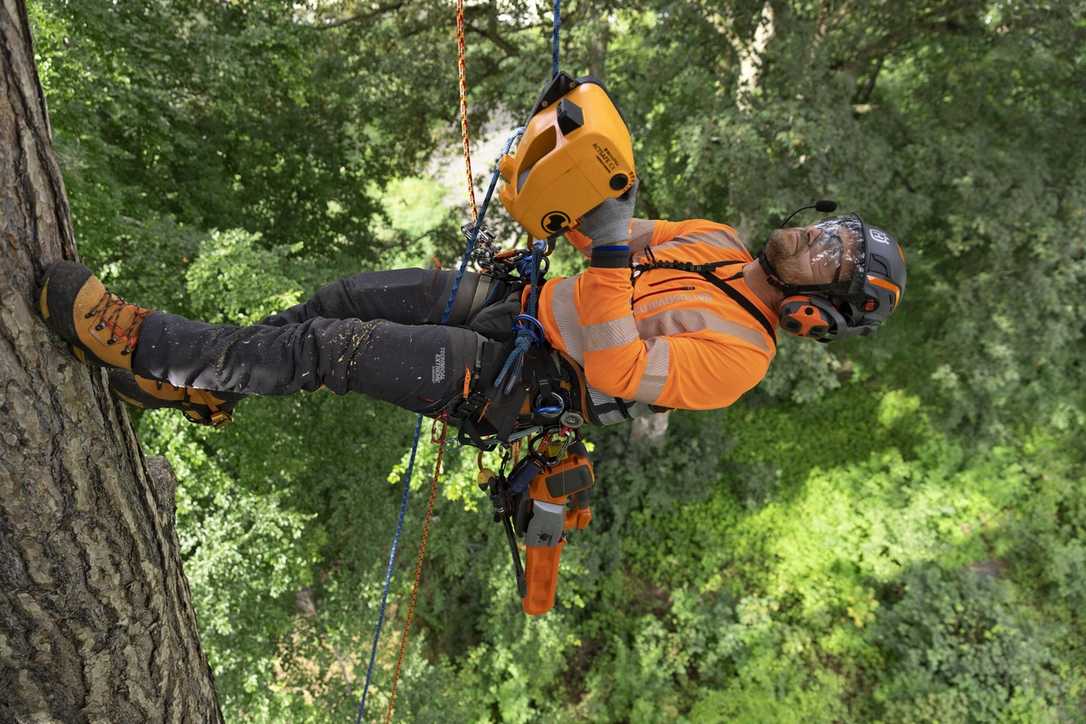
(640,409)
(565,316)
(656,370)
(610,418)
(605,407)
(718,238)
(678,321)
(605,335)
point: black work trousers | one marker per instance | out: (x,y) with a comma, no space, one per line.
(377,333)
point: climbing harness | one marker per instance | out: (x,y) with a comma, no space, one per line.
(572,154)
(534,400)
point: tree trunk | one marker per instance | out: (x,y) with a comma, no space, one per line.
(750,53)
(96,619)
(598,39)
(650,430)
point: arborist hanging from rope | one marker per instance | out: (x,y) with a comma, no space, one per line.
(668,315)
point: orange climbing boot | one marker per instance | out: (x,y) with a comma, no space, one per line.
(102,328)
(199,406)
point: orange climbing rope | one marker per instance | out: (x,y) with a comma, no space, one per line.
(439,439)
(463,77)
(439,431)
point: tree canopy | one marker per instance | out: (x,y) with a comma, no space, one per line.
(890,529)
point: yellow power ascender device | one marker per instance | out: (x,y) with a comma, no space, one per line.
(575,153)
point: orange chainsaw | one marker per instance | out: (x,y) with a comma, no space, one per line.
(542,497)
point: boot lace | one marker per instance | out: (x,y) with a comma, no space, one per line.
(109,308)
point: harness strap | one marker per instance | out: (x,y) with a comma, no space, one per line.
(741,299)
(706,270)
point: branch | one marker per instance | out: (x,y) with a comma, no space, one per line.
(864,95)
(510,49)
(360,17)
(938,21)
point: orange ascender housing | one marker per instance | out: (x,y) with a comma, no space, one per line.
(576,152)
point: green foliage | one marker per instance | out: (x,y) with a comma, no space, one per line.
(245,555)
(234,280)
(766,694)
(227,115)
(802,372)
(958,646)
(886,530)
(797,601)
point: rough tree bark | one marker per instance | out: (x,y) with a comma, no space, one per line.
(96,619)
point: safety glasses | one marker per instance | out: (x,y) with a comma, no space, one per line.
(839,244)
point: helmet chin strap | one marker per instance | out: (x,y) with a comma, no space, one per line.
(770,273)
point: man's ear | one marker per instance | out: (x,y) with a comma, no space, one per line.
(781,246)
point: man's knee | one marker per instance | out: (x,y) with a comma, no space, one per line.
(416,367)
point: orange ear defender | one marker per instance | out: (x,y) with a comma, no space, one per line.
(809,316)
(576,152)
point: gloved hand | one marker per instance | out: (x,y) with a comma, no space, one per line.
(609,223)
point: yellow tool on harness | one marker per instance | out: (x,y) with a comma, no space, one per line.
(575,153)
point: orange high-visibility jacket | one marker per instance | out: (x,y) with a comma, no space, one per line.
(669,339)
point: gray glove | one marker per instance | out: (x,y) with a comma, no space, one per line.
(609,223)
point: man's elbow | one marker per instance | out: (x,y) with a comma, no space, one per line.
(611,381)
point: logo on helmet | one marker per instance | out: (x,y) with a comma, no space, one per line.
(878,235)
(553,222)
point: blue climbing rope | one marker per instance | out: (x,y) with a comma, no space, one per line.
(529,330)
(556,15)
(445,314)
(526,330)
(388,568)
(477,227)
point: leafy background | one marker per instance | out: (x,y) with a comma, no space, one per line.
(884,531)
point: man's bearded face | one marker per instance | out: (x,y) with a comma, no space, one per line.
(822,253)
